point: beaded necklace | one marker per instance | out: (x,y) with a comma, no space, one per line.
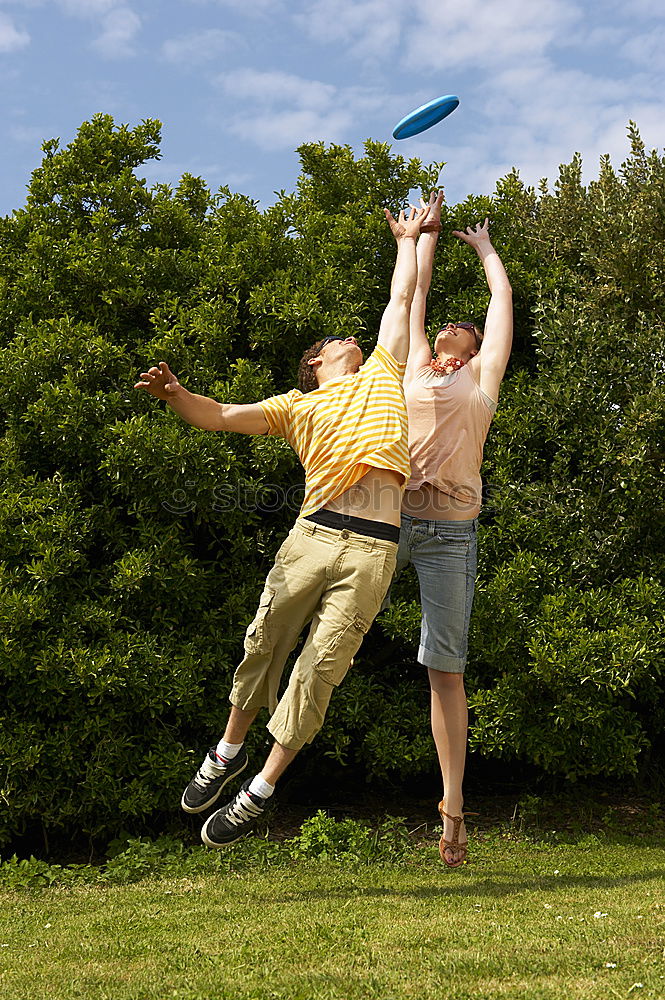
(446,367)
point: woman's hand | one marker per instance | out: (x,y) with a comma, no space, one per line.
(433,223)
(477,236)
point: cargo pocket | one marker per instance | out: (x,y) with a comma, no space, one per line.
(257,637)
(336,654)
(384,570)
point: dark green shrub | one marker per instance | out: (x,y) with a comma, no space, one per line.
(134,548)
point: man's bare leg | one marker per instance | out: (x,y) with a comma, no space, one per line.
(239,816)
(277,762)
(238,724)
(218,769)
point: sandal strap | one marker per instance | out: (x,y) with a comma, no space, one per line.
(457,822)
(455,844)
(443,813)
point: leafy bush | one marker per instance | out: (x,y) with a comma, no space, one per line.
(326,839)
(321,838)
(134,547)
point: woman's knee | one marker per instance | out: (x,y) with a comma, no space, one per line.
(443,681)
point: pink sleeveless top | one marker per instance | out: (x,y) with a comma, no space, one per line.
(449,417)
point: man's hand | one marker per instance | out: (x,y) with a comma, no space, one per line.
(477,237)
(433,222)
(159,382)
(404,228)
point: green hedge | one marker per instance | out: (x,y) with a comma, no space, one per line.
(134,547)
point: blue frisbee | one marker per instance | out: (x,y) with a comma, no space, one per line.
(425,116)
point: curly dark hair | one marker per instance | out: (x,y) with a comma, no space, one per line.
(307,380)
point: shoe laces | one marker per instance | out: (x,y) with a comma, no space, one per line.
(207,773)
(242,809)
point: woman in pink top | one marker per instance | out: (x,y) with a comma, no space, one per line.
(451,397)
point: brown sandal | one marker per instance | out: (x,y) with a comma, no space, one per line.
(453,844)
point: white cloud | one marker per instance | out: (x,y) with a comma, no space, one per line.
(12,39)
(87,8)
(118,22)
(252,8)
(536,81)
(522,102)
(79,8)
(200,46)
(120,25)
(592,37)
(368,28)
(480,34)
(440,34)
(637,8)
(646,50)
(270,88)
(281,110)
(287,129)
(170,172)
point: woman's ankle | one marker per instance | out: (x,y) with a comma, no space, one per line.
(453,804)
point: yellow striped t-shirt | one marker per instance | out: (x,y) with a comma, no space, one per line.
(345,427)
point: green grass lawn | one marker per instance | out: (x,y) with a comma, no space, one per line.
(523,920)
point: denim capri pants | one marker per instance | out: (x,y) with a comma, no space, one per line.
(444,555)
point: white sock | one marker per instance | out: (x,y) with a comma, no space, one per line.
(259,786)
(227,751)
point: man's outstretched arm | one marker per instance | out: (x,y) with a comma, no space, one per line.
(394,329)
(420,351)
(201,411)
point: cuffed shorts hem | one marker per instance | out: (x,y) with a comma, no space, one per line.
(246,706)
(439,661)
(289,741)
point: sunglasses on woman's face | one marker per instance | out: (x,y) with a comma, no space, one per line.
(464,326)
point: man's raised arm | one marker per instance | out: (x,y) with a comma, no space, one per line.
(394,329)
(420,351)
(201,411)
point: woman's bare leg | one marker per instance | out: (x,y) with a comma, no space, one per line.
(449,729)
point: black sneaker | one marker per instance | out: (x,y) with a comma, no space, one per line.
(235,819)
(206,786)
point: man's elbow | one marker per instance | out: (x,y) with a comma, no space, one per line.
(402,296)
(222,417)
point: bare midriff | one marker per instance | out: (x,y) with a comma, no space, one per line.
(376,497)
(427,503)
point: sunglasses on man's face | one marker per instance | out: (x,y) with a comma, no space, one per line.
(328,340)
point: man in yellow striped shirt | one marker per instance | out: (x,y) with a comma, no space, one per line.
(348,424)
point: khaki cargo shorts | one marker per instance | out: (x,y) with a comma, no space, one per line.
(334,579)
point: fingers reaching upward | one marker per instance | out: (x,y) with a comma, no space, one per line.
(474,235)
(407,226)
(433,222)
(159,381)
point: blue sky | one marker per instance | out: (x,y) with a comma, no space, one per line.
(238,84)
